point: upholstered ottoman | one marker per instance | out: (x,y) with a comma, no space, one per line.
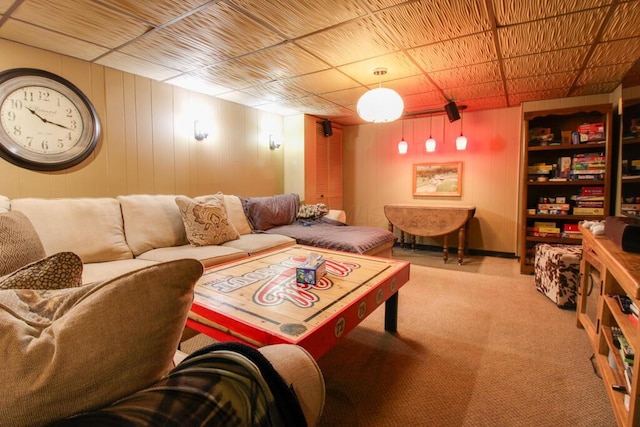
(557,271)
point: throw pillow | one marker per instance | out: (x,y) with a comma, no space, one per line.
(58,271)
(267,212)
(20,243)
(313,211)
(205,220)
(95,344)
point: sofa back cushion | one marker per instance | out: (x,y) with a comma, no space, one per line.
(20,244)
(236,215)
(90,227)
(151,222)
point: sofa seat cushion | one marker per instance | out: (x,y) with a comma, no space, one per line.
(152,221)
(20,244)
(91,345)
(207,255)
(205,220)
(260,242)
(99,271)
(92,228)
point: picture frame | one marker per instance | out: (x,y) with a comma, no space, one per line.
(437,179)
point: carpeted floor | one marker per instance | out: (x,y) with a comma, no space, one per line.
(477,345)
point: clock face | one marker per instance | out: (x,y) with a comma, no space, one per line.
(46,123)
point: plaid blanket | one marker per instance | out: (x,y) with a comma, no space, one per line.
(225,384)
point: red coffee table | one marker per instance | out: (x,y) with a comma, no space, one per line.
(257,301)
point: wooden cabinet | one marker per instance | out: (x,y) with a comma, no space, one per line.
(606,272)
(566,177)
(323,167)
(629,169)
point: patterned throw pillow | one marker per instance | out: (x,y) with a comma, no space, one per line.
(58,271)
(205,220)
(19,244)
(313,211)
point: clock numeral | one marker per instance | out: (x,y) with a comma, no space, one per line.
(17,130)
(61,143)
(11,116)
(45,145)
(44,96)
(16,104)
(74,124)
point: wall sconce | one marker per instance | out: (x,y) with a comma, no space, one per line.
(430,143)
(200,131)
(274,142)
(461,141)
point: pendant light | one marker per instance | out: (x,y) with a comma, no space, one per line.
(381,104)
(430,143)
(403,145)
(461,141)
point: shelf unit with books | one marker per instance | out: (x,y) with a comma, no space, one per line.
(567,175)
(629,170)
(606,274)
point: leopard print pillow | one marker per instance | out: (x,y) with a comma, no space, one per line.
(59,271)
(206,222)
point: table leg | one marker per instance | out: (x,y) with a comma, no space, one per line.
(402,239)
(445,248)
(391,314)
(462,238)
(412,238)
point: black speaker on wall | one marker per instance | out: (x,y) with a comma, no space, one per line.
(326,127)
(452,111)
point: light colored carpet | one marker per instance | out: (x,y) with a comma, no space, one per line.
(477,345)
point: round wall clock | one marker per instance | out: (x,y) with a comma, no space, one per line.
(46,122)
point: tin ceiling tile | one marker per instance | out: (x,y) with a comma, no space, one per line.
(345,97)
(243,98)
(624,22)
(576,29)
(230,74)
(164,48)
(283,61)
(510,12)
(633,76)
(475,91)
(276,91)
(545,62)
(593,89)
(490,102)
(411,85)
(156,12)
(336,45)
(424,22)
(197,83)
(123,62)
(225,31)
(81,19)
(610,73)
(398,65)
(615,52)
(471,74)
(424,101)
(324,81)
(5,4)
(459,52)
(519,98)
(542,82)
(296,18)
(31,35)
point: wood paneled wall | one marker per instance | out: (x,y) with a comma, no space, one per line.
(148,144)
(375,173)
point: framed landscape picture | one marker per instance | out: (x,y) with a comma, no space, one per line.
(437,179)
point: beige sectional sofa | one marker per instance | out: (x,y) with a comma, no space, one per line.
(113,236)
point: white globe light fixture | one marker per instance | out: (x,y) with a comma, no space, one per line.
(381,104)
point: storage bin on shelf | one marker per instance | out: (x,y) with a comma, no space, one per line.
(557,271)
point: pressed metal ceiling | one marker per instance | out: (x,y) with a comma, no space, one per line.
(317,57)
